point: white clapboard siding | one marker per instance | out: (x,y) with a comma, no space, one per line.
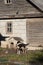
(18,28)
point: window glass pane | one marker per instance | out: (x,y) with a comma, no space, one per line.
(10,29)
(7,1)
(7,29)
(10,25)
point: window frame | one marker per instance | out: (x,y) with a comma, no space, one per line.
(8,1)
(9,28)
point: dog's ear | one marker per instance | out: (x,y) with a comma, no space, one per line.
(18,41)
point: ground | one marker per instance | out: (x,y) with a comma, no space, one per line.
(11,58)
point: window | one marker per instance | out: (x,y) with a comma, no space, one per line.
(8,1)
(9,27)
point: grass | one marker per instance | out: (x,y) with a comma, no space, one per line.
(13,57)
(30,56)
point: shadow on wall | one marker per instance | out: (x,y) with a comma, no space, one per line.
(2,38)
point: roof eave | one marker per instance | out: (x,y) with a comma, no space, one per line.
(36,4)
(22,16)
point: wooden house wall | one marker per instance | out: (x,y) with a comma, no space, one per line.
(34,30)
